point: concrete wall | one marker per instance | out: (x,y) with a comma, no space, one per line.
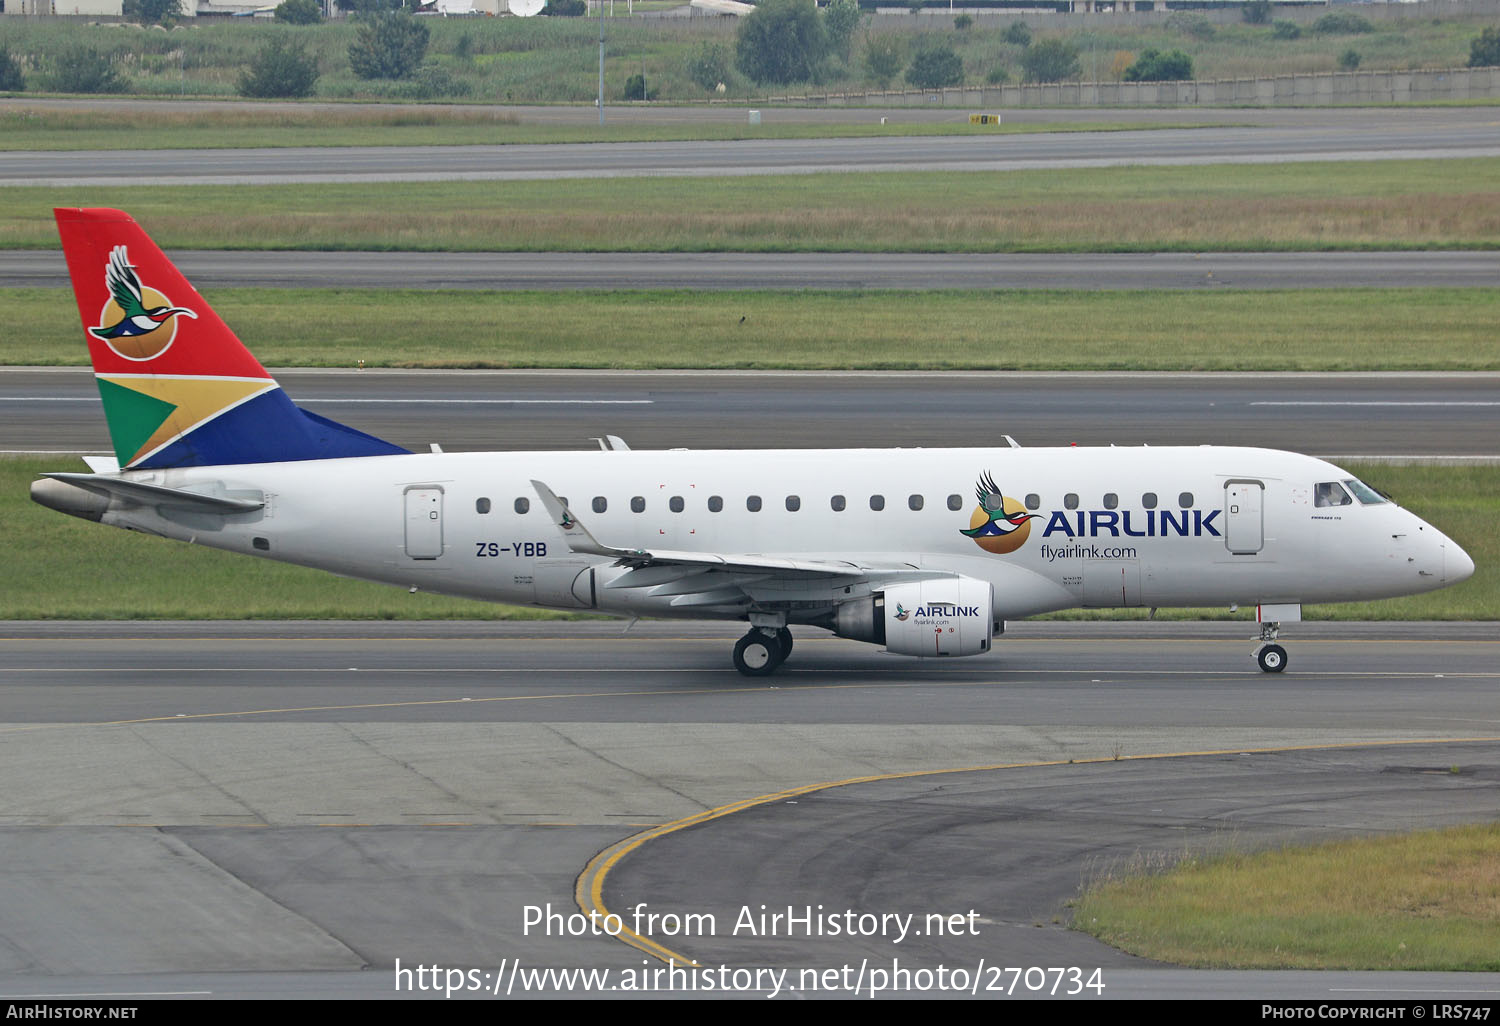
(1352,88)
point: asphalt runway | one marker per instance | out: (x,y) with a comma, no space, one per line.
(730,271)
(288,809)
(1386,414)
(1416,133)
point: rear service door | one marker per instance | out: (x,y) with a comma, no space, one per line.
(424,523)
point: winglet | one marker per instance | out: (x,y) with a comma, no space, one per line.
(577,536)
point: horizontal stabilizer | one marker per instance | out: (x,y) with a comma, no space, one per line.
(158,495)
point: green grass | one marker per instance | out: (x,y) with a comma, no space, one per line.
(1428,901)
(60,567)
(1406,204)
(1377,329)
(48,128)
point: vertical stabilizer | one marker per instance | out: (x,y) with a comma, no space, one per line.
(179,389)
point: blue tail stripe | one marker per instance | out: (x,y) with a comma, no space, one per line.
(268,429)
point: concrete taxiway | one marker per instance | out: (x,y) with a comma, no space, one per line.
(258,800)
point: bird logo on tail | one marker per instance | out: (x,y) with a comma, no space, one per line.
(137,322)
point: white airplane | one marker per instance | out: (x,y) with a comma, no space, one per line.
(926,552)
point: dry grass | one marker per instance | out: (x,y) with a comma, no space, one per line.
(1387,204)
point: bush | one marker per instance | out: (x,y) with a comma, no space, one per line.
(299,12)
(11,79)
(1155,66)
(83,69)
(1051,60)
(1017,33)
(430,82)
(1256,12)
(1349,59)
(388,45)
(151,12)
(1484,50)
(1342,23)
(566,8)
(884,56)
(280,70)
(935,66)
(1286,30)
(963,21)
(998,75)
(1194,25)
(635,88)
(781,41)
(710,66)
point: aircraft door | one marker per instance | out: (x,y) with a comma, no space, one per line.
(1244,526)
(424,523)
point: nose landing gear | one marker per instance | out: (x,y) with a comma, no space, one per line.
(760,652)
(1271,656)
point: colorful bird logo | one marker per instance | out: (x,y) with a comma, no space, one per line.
(901,612)
(999,525)
(138,322)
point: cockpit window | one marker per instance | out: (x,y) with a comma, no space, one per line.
(1364,493)
(1330,493)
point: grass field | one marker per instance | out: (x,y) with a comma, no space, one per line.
(60,567)
(1407,204)
(1377,329)
(551,60)
(1422,901)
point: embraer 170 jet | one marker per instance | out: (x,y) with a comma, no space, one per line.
(926,552)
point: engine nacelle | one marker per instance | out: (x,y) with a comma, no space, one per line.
(950,617)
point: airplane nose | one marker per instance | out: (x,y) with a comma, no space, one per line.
(1457,566)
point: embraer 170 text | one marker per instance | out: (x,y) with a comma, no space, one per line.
(926,552)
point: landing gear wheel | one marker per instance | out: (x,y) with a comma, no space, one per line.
(785,637)
(1272,658)
(758,654)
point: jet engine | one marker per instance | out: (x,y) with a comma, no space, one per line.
(952,616)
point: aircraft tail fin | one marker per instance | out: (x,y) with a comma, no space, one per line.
(179,389)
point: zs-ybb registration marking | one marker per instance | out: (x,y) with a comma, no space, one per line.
(526,550)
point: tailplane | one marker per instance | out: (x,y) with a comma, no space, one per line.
(179,389)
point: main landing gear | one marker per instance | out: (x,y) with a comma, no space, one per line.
(1271,657)
(760,652)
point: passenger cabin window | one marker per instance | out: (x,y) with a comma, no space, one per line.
(600,504)
(1070,501)
(675,504)
(1185,500)
(523,505)
(1149,500)
(638,504)
(481,505)
(877,502)
(793,503)
(1364,493)
(837,503)
(1330,493)
(752,503)
(914,502)
(716,503)
(1111,500)
(955,502)
(1033,501)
